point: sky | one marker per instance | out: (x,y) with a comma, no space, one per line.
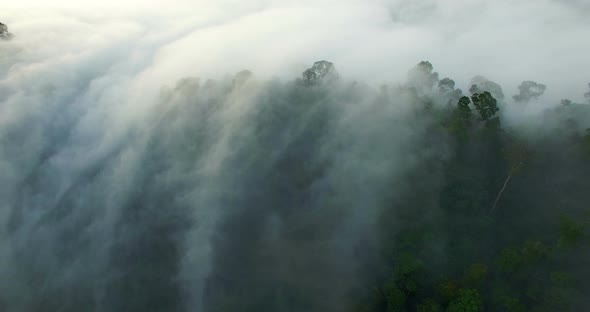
(375,41)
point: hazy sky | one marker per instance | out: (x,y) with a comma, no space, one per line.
(378,41)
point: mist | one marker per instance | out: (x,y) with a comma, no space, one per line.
(287,155)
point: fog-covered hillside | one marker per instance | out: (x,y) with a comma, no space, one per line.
(393,158)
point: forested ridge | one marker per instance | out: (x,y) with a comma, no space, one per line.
(510,226)
(484,216)
(320,193)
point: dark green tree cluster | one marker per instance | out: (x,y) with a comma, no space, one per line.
(506,230)
(475,214)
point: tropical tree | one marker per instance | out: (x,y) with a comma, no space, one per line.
(486,105)
(529,90)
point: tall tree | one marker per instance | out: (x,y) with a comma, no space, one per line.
(529,90)
(321,70)
(486,105)
(479,84)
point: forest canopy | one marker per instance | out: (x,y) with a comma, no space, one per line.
(317,193)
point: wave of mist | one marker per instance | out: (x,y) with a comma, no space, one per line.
(128,184)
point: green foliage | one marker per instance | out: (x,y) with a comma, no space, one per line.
(570,232)
(476,274)
(463,109)
(461,119)
(394,296)
(516,153)
(408,265)
(406,271)
(561,278)
(402,283)
(512,304)
(534,251)
(448,289)
(509,259)
(468,300)
(452,254)
(429,305)
(485,104)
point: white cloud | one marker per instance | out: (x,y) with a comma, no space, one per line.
(506,41)
(97,68)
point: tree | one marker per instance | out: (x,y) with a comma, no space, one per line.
(467,301)
(529,90)
(463,109)
(509,260)
(460,121)
(319,71)
(512,304)
(448,289)
(446,85)
(587,95)
(479,84)
(242,77)
(570,232)
(486,105)
(476,274)
(4,34)
(422,76)
(446,88)
(429,305)
(394,296)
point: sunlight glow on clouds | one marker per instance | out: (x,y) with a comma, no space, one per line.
(374,41)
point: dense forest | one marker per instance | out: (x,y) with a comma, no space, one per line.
(499,225)
(314,194)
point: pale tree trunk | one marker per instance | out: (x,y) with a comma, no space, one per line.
(500,193)
(512,170)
